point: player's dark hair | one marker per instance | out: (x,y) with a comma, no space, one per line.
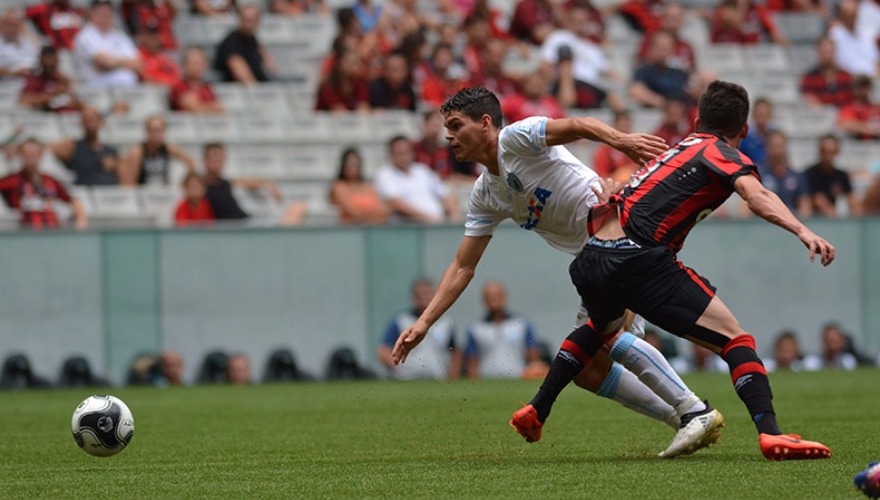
(474,102)
(724,108)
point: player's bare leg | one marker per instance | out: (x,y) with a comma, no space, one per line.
(718,329)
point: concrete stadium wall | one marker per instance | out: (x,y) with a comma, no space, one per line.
(111,295)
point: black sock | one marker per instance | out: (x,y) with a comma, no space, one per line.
(751,383)
(563,370)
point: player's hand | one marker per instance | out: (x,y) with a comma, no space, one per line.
(604,188)
(641,148)
(818,246)
(406,342)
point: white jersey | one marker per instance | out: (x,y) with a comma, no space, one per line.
(542,188)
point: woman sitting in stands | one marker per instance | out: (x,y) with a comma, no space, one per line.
(345,88)
(357,199)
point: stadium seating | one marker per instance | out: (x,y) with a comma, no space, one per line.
(272,131)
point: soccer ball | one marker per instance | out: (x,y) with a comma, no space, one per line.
(102,425)
(869,480)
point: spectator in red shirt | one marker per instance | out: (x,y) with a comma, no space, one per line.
(49,89)
(533,20)
(476,49)
(534,100)
(677,123)
(34,193)
(195,207)
(609,162)
(445,78)
(344,89)
(193,94)
(744,22)
(826,83)
(156,67)
(151,14)
(814,6)
(861,118)
(393,89)
(642,15)
(682,56)
(58,21)
(482,8)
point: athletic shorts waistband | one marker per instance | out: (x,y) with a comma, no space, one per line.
(613,244)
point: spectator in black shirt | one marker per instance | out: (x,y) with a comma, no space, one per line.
(240,56)
(829,183)
(393,89)
(219,190)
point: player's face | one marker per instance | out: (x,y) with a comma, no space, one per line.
(464,135)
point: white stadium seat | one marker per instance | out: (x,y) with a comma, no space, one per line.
(116,201)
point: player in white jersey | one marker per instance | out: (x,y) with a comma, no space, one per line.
(531,178)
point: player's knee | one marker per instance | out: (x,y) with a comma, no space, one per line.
(593,375)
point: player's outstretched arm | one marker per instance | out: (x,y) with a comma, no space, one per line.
(455,280)
(640,148)
(765,204)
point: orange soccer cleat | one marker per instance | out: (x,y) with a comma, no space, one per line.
(791,447)
(525,421)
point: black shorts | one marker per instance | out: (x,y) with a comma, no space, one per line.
(648,281)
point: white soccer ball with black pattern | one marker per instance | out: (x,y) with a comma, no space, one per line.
(102,425)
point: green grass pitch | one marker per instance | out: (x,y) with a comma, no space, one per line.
(430,440)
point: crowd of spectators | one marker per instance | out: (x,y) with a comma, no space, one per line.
(401,55)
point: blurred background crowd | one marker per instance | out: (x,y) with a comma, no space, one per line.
(164,113)
(287,112)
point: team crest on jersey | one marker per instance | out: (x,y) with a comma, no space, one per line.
(537,202)
(514,183)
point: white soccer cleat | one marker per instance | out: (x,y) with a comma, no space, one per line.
(698,430)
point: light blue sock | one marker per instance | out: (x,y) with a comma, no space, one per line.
(624,387)
(652,369)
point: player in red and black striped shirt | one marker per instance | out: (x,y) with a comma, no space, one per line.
(630,262)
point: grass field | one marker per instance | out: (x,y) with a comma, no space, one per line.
(430,440)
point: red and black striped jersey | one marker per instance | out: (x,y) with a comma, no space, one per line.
(667,197)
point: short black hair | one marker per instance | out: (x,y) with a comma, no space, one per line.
(724,108)
(474,102)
